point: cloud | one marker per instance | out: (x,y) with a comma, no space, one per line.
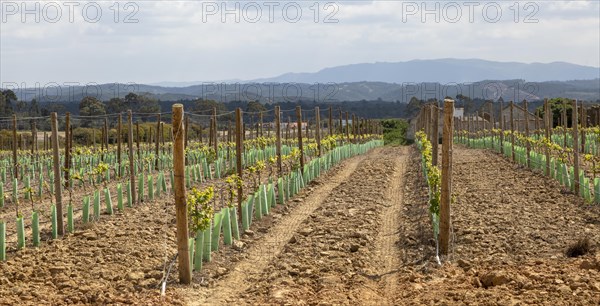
(182,41)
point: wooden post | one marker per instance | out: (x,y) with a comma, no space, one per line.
(330,121)
(583,126)
(137,138)
(14,147)
(299,117)
(106,133)
(548,119)
(564,116)
(340,123)
(238,155)
(278,139)
(131,162)
(57,176)
(575,125)
(215,142)
(527,145)
(318,130)
(157,142)
(501,123)
(183,255)
(446,193)
(119,140)
(347,127)
(67,149)
(33,138)
(187,129)
(512,130)
(261,123)
(435,135)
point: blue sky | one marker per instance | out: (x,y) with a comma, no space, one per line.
(195,41)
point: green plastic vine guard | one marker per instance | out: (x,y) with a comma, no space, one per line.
(226,224)
(141,187)
(1,196)
(108,201)
(40,185)
(188,183)
(206,253)
(264,201)
(86,209)
(199,246)
(70,226)
(129,195)
(35,228)
(597,190)
(120,197)
(271,194)
(245,225)
(233,216)
(150,188)
(257,206)
(54,222)
(216,232)
(163,183)
(2,240)
(97,204)
(191,251)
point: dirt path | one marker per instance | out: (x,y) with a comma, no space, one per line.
(344,252)
(511,228)
(271,245)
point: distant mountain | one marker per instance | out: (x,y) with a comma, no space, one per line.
(516,90)
(442,71)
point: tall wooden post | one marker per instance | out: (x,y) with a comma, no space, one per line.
(340,123)
(435,134)
(57,176)
(158,136)
(215,142)
(547,124)
(583,119)
(137,137)
(575,125)
(278,139)
(300,146)
(512,130)
(187,129)
(347,127)
(501,123)
(446,193)
(131,162)
(330,121)
(564,114)
(119,140)
(527,145)
(14,147)
(67,148)
(238,155)
(183,255)
(318,130)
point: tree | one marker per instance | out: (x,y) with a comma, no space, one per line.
(255,107)
(556,107)
(117,105)
(139,103)
(206,106)
(34,108)
(90,106)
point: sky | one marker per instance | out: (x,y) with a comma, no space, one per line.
(147,42)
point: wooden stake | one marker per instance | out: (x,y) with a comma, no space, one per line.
(131,161)
(435,135)
(14,147)
(119,140)
(183,255)
(278,139)
(330,121)
(512,130)
(215,142)
(299,117)
(57,176)
(527,145)
(446,193)
(67,149)
(157,142)
(187,129)
(575,125)
(318,130)
(238,155)
(548,124)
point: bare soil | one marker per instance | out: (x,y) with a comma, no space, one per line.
(359,235)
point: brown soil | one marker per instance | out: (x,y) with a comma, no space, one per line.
(359,235)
